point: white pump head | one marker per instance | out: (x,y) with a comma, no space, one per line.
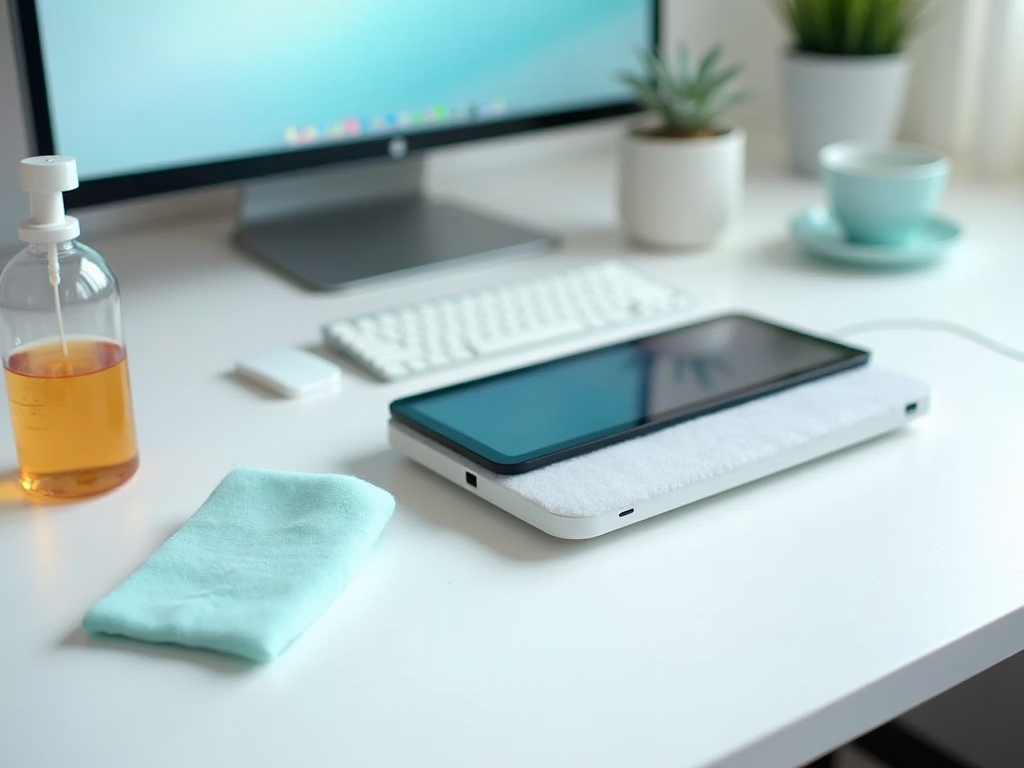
(46,178)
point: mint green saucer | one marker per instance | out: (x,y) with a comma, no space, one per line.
(821,236)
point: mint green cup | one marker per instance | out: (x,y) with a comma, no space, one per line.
(882,194)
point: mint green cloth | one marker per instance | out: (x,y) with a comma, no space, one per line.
(254,567)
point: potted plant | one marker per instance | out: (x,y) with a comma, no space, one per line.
(845,76)
(682,168)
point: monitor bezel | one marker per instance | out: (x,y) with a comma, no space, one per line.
(133,185)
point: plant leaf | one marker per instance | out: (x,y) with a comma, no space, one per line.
(707,66)
(689,98)
(852,27)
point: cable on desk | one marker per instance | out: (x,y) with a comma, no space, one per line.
(941,326)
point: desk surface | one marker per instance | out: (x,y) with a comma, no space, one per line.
(758,628)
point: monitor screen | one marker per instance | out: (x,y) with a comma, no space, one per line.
(161,95)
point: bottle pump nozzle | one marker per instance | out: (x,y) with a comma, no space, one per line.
(46,178)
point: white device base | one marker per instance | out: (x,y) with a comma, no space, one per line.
(625,483)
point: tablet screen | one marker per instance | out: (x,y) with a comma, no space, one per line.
(520,420)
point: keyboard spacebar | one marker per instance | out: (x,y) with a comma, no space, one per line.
(499,344)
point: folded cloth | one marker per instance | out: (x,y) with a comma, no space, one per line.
(254,567)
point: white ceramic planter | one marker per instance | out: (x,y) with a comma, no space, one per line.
(838,98)
(680,193)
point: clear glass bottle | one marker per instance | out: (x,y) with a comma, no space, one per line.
(64,360)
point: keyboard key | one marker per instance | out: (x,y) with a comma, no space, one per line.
(579,302)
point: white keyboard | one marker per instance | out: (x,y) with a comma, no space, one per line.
(577,302)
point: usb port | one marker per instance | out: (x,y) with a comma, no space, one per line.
(911,409)
(471,479)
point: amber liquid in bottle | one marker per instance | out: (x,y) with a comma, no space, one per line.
(73,420)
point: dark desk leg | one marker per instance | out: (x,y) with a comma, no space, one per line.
(899,748)
(828,761)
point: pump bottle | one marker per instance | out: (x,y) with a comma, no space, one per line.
(63,349)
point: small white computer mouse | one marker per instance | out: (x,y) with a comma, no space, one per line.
(290,372)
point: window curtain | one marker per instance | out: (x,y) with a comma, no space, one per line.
(967,88)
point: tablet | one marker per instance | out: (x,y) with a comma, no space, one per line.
(524,419)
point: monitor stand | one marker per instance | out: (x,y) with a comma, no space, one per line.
(328,228)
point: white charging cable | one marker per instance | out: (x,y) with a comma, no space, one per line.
(929,324)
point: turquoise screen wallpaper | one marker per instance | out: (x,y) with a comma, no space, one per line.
(138,86)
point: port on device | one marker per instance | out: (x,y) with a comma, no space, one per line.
(911,409)
(471,479)
(627,512)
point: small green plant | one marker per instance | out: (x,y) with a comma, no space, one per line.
(851,27)
(689,99)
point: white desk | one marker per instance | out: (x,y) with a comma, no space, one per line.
(756,629)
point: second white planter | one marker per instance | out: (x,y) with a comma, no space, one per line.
(838,98)
(680,193)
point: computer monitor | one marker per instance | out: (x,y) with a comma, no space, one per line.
(322,107)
